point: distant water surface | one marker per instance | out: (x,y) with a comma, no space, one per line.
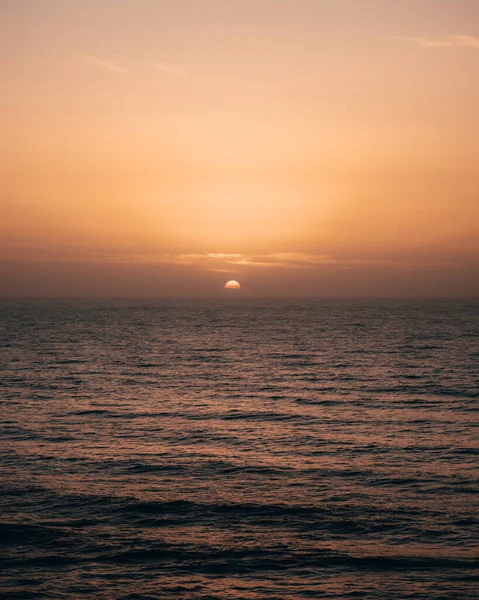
(242,449)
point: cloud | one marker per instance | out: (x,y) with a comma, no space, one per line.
(215,261)
(213,82)
(169,69)
(234,264)
(445,41)
(225,262)
(104,64)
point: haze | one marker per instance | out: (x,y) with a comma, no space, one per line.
(301,147)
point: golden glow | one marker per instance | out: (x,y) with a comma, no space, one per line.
(148,133)
(232,285)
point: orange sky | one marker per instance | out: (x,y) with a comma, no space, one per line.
(309,147)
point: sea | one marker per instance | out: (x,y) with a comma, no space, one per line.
(239,449)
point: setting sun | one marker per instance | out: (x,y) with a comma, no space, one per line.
(232,285)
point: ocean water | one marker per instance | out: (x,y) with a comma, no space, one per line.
(239,449)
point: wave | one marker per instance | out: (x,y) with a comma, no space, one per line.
(236,561)
(92,411)
(19,534)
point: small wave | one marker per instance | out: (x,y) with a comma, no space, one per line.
(186,506)
(46,561)
(244,416)
(140,415)
(232,560)
(71,361)
(466,451)
(20,534)
(141,468)
(92,411)
(319,402)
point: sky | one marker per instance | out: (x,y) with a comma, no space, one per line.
(301,147)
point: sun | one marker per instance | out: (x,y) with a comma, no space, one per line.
(232,285)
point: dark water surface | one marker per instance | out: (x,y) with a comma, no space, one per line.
(239,450)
